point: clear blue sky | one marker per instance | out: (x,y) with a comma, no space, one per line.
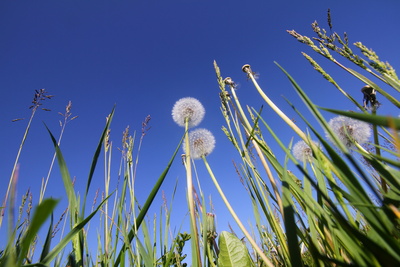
(145,55)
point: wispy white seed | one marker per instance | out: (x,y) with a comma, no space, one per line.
(350,130)
(201,142)
(301,151)
(188,108)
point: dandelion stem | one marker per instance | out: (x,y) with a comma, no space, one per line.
(235,217)
(193,225)
(275,108)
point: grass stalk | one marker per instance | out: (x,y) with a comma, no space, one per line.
(235,217)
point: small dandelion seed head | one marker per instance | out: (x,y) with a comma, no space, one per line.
(201,142)
(350,130)
(301,151)
(188,108)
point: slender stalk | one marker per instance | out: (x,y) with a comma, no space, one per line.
(246,69)
(189,181)
(16,164)
(235,217)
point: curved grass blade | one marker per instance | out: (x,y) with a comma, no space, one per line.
(72,201)
(385,121)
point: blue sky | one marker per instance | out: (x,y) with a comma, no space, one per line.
(143,56)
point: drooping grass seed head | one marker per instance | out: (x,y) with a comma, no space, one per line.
(201,142)
(188,108)
(302,151)
(228,81)
(246,68)
(350,130)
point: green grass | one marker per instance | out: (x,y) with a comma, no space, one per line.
(340,207)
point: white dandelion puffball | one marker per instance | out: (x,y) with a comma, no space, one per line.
(301,151)
(201,142)
(188,107)
(350,130)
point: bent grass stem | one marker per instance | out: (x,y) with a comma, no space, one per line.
(235,217)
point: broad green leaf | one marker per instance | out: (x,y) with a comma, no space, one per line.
(233,252)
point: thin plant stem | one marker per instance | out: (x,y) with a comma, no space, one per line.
(189,180)
(16,163)
(235,217)
(273,106)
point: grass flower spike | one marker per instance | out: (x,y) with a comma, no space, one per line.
(202,143)
(301,151)
(188,108)
(350,130)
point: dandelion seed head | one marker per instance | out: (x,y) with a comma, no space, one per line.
(350,130)
(201,142)
(190,108)
(301,151)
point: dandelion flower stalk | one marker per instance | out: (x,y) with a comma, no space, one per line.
(250,74)
(189,181)
(188,112)
(202,143)
(228,81)
(234,215)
